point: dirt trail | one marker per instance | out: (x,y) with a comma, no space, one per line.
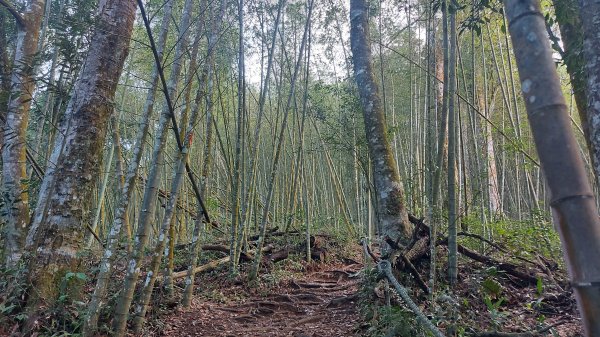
(322,303)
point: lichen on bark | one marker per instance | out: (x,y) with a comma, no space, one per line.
(390,195)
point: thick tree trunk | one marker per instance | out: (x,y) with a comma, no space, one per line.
(14,174)
(64,206)
(389,192)
(571,34)
(572,197)
(589,11)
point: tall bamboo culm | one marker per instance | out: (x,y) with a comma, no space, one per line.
(572,199)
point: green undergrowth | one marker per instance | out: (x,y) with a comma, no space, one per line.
(381,319)
(525,238)
(485,298)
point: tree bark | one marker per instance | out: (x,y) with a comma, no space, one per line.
(57,231)
(14,174)
(571,33)
(452,140)
(572,198)
(589,11)
(5,66)
(392,212)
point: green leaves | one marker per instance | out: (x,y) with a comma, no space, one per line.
(493,305)
(492,288)
(6,309)
(539,286)
(78,276)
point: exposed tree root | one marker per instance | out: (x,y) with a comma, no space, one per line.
(339,301)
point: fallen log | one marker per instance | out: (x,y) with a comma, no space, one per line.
(216,248)
(205,267)
(509,268)
(280,255)
(213,264)
(506,251)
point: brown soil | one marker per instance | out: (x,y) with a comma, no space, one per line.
(321,302)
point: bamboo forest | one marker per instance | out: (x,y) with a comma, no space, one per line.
(305,168)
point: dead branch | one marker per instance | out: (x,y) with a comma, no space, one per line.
(368,250)
(413,271)
(500,248)
(509,268)
(385,268)
(405,262)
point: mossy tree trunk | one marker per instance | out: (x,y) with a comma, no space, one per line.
(5,65)
(589,12)
(63,209)
(389,192)
(571,33)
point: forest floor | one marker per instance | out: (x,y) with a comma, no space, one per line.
(321,299)
(335,295)
(319,303)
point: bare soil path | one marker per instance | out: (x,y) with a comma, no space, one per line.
(320,303)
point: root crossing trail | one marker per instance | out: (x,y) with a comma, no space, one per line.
(322,303)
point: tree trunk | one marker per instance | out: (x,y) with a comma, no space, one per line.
(5,67)
(572,197)
(589,11)
(571,34)
(452,139)
(389,192)
(57,232)
(14,174)
(237,174)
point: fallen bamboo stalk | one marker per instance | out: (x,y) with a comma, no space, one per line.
(535,333)
(205,267)
(385,267)
(212,265)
